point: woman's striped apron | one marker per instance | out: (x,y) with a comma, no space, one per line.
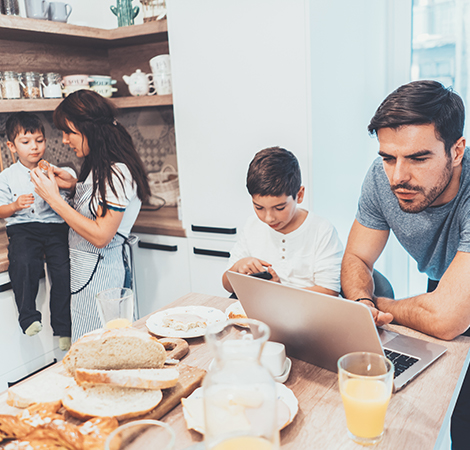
(92,269)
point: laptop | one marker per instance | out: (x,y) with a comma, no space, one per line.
(319,328)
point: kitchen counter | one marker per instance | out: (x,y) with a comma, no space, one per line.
(164,221)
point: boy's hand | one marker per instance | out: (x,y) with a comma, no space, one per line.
(24,201)
(250,265)
(275,277)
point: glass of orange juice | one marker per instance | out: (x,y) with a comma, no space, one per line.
(116,307)
(365,383)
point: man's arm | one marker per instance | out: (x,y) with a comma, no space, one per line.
(444,313)
(364,247)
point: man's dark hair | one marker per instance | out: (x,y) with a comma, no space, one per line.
(274,172)
(23,122)
(419,103)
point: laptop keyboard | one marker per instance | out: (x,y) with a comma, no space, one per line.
(400,361)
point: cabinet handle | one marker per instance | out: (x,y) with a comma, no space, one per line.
(5,287)
(218,253)
(214,230)
(165,248)
(12,383)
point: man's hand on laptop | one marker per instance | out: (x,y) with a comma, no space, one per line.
(380,318)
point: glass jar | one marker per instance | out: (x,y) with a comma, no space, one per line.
(31,85)
(51,85)
(10,7)
(239,393)
(10,85)
(152,9)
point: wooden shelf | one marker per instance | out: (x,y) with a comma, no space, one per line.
(34,30)
(49,104)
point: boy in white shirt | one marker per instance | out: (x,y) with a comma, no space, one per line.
(296,247)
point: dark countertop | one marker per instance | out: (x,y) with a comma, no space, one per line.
(164,221)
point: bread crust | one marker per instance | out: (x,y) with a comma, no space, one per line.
(155,379)
(121,403)
(121,348)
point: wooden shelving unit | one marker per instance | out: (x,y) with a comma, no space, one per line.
(46,46)
(46,104)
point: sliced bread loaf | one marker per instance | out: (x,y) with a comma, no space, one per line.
(121,348)
(47,386)
(109,401)
(135,378)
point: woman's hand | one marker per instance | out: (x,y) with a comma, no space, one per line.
(46,187)
(63,178)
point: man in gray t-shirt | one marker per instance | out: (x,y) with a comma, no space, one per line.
(419,189)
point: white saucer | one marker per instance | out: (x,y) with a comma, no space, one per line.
(285,375)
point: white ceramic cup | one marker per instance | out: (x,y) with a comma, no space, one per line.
(160,64)
(59,12)
(37,9)
(76,80)
(274,358)
(162,83)
(104,91)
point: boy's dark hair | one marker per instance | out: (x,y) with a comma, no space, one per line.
(274,172)
(419,103)
(23,122)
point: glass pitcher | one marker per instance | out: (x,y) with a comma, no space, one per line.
(239,393)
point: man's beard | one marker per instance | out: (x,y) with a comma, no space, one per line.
(429,198)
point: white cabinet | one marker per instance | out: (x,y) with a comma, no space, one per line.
(21,355)
(240,84)
(208,259)
(161,271)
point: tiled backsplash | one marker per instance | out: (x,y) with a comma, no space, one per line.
(152,130)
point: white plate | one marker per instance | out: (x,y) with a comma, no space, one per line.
(283,393)
(210,315)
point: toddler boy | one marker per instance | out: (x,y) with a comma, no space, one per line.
(35,232)
(296,247)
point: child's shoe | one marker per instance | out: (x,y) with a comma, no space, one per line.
(34,328)
(64,343)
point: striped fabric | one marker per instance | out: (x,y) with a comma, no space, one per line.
(92,270)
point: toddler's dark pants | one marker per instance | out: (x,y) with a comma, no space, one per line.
(29,245)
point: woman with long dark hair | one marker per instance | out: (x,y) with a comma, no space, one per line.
(106,200)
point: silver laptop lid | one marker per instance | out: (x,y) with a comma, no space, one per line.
(316,328)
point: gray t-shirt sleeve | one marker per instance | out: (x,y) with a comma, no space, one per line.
(464,242)
(369,211)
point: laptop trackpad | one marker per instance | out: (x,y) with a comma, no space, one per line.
(385,335)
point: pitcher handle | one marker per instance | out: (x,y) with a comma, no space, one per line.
(45,8)
(69,7)
(152,90)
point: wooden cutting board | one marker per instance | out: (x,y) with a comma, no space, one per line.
(190,378)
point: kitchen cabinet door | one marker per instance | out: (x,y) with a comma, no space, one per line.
(161,271)
(21,354)
(208,259)
(240,84)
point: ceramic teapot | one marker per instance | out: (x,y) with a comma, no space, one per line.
(140,83)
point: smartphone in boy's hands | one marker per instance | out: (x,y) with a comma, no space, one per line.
(265,275)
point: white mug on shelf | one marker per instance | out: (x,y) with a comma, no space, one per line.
(37,9)
(59,12)
(160,64)
(162,83)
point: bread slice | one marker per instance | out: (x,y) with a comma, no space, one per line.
(120,348)
(48,386)
(135,378)
(109,401)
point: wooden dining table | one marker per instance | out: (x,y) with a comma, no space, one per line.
(415,414)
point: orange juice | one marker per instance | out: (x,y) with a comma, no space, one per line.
(117,323)
(245,443)
(365,403)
